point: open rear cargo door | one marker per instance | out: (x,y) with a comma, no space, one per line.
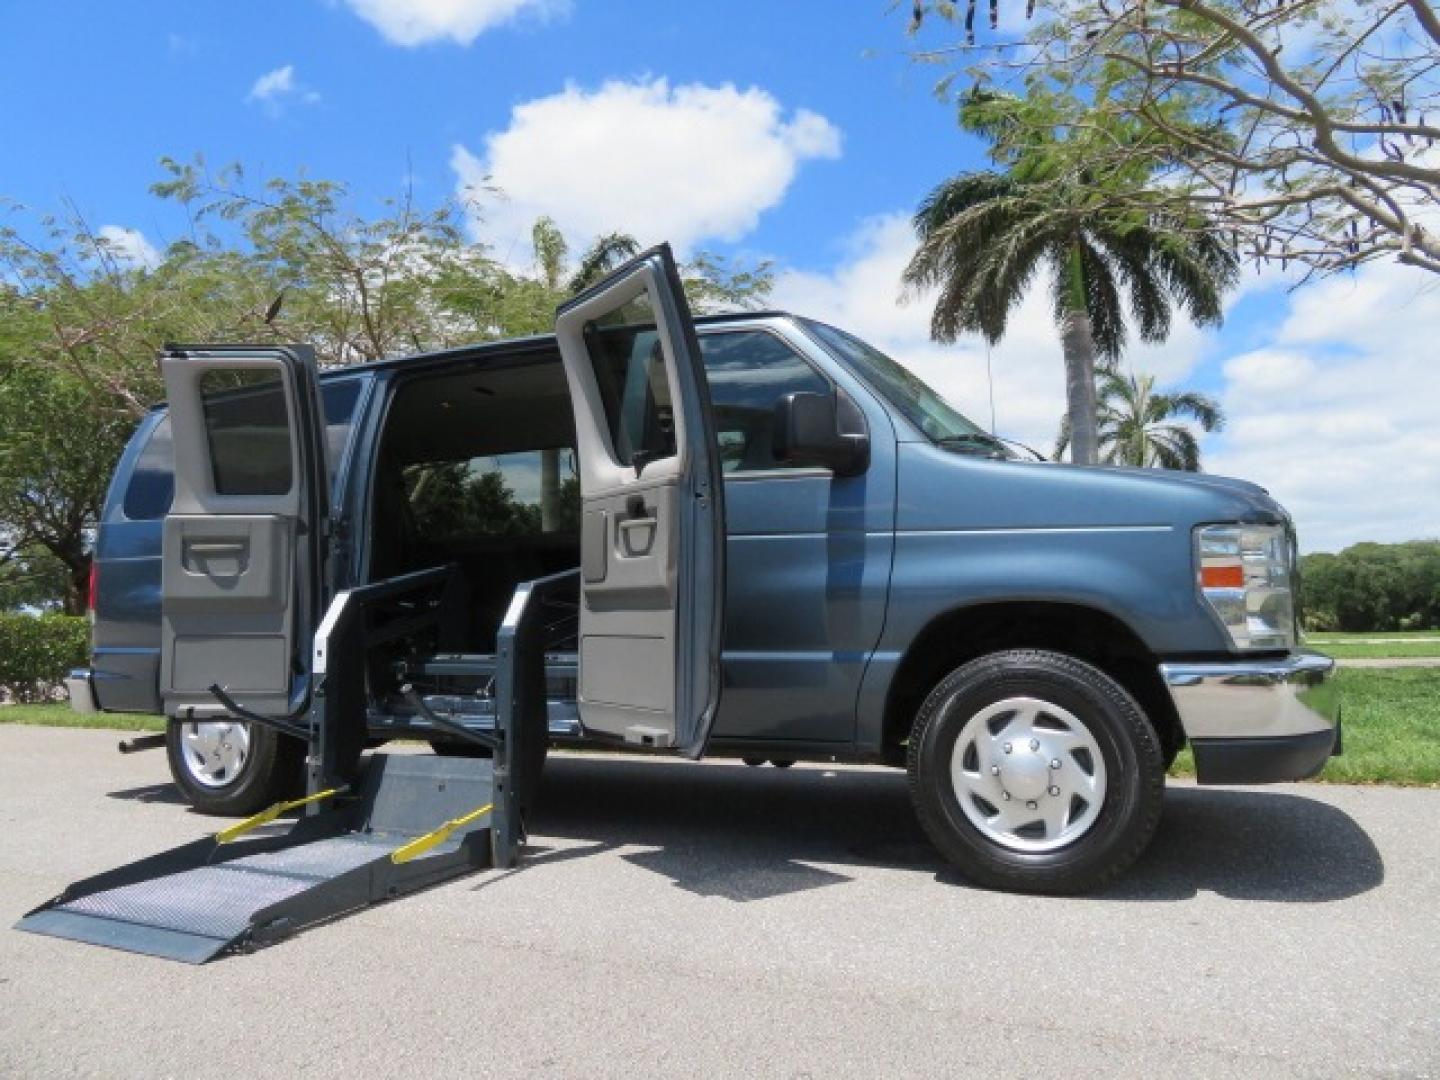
(244,539)
(652,535)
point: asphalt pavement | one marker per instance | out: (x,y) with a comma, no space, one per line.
(708,919)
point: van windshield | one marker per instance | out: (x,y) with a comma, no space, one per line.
(909,394)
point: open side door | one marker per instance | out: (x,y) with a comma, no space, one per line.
(244,539)
(652,533)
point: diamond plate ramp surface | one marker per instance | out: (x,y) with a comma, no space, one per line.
(213,901)
(322,858)
(198,900)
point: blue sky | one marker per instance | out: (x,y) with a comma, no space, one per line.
(799,132)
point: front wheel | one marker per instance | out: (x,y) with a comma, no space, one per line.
(231,768)
(1036,772)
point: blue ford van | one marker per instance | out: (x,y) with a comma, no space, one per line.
(789,548)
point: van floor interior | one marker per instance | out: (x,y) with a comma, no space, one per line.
(475,470)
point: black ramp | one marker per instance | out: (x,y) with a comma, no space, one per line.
(204,898)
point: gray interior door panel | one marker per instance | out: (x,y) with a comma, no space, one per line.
(652,528)
(240,546)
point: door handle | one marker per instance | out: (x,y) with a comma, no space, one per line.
(633,543)
(211,548)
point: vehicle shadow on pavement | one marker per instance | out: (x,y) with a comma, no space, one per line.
(751,834)
(729,831)
(1252,845)
(150,793)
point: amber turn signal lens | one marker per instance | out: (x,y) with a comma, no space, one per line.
(1222,577)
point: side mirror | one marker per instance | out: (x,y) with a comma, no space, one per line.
(822,429)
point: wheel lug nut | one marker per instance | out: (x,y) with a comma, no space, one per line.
(1031,805)
(1054,790)
(1007,796)
(994,770)
(1054,763)
(1034,744)
(1007,748)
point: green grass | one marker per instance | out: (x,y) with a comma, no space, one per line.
(1392,643)
(1355,635)
(61,716)
(1391,729)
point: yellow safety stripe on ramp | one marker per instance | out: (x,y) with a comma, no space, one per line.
(234,832)
(436,837)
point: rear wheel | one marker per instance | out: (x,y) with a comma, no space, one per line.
(232,768)
(1036,772)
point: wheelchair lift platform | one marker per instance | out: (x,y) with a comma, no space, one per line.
(373,829)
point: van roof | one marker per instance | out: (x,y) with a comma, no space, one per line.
(531,341)
(535,342)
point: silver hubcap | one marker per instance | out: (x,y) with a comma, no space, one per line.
(215,751)
(1028,774)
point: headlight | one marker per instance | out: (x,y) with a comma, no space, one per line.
(1246,576)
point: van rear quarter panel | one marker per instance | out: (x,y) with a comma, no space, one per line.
(125,656)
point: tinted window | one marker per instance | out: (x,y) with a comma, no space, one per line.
(521,494)
(749,372)
(338,400)
(630,372)
(152,482)
(248,429)
(905,390)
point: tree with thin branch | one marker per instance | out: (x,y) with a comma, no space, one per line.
(1310,130)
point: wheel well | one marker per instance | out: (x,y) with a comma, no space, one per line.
(962,635)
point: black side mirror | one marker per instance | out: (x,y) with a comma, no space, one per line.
(822,429)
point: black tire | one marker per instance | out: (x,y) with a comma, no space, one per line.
(753,762)
(1129,810)
(274,770)
(782,762)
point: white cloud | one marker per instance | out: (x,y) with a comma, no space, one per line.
(861,294)
(683,164)
(1340,416)
(1337,411)
(129,246)
(419,22)
(274,89)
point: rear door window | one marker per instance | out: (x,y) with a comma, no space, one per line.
(249,432)
(152,482)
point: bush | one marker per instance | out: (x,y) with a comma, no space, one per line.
(1373,587)
(36,652)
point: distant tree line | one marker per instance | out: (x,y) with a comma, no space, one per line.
(1373,587)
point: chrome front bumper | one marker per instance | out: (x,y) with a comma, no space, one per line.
(81,691)
(1257,721)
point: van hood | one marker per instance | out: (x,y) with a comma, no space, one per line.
(1210,480)
(940,489)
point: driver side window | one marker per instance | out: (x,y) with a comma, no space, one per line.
(749,372)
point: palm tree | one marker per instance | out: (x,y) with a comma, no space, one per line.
(602,256)
(1138,427)
(983,237)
